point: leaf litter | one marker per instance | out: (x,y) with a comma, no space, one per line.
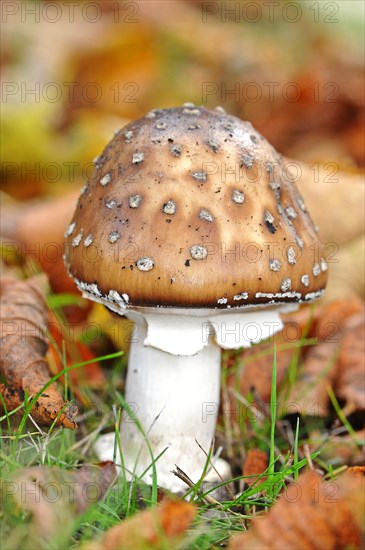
(24,345)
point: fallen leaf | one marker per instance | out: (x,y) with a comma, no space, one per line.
(127,80)
(349,266)
(321,366)
(23,348)
(54,496)
(331,318)
(350,384)
(255,367)
(35,230)
(317,372)
(357,470)
(336,359)
(344,239)
(344,449)
(311,514)
(160,527)
(90,375)
(255,465)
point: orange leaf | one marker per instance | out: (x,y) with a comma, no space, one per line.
(90,375)
(351,373)
(310,393)
(160,527)
(255,464)
(311,514)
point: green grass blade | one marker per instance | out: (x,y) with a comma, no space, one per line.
(273,412)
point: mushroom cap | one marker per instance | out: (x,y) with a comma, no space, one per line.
(192,208)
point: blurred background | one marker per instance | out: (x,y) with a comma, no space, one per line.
(74,72)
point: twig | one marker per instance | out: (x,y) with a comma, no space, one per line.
(207,498)
(308,456)
(186,479)
(229,490)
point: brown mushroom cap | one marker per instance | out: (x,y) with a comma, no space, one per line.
(190,207)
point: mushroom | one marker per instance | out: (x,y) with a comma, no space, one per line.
(191,227)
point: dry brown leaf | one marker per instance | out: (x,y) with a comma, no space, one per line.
(344,449)
(35,230)
(126,79)
(346,276)
(311,514)
(357,470)
(318,371)
(255,465)
(326,194)
(331,318)
(52,496)
(23,348)
(90,375)
(323,321)
(350,384)
(344,240)
(255,370)
(320,365)
(159,527)
(255,364)
(301,124)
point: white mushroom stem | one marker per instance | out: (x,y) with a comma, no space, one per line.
(172,387)
(176,400)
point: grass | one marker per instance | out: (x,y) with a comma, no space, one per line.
(273,407)
(24,445)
